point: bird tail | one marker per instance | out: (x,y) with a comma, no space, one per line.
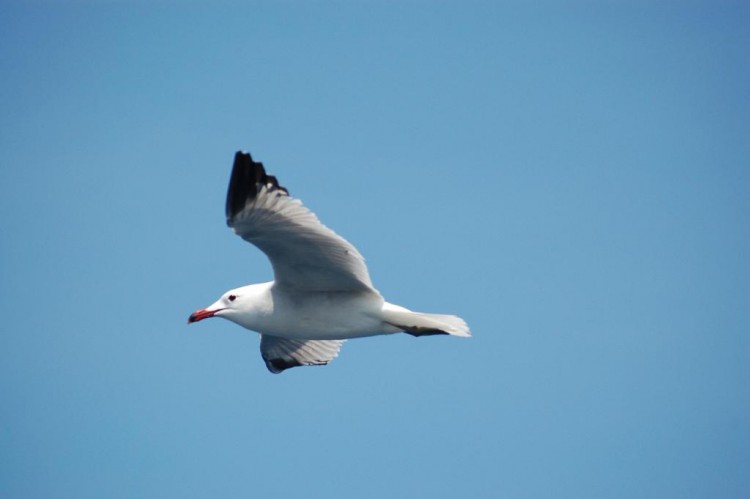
(421,324)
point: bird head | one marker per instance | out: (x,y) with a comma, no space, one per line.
(222,307)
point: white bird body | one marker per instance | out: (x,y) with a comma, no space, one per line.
(321,315)
(321,294)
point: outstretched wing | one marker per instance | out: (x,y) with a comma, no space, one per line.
(282,353)
(305,254)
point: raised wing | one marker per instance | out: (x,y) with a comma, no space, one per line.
(305,254)
(282,353)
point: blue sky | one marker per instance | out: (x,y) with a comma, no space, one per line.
(572,180)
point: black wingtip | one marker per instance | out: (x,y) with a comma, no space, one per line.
(247,178)
(277,366)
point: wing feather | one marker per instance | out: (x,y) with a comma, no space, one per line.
(283,353)
(305,254)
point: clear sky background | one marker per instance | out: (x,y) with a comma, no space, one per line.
(572,180)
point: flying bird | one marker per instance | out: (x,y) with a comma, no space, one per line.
(321,294)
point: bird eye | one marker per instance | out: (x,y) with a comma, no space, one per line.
(232,297)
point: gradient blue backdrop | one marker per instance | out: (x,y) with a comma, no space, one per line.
(573,180)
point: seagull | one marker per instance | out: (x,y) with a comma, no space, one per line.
(321,294)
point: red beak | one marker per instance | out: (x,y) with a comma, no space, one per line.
(200,315)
